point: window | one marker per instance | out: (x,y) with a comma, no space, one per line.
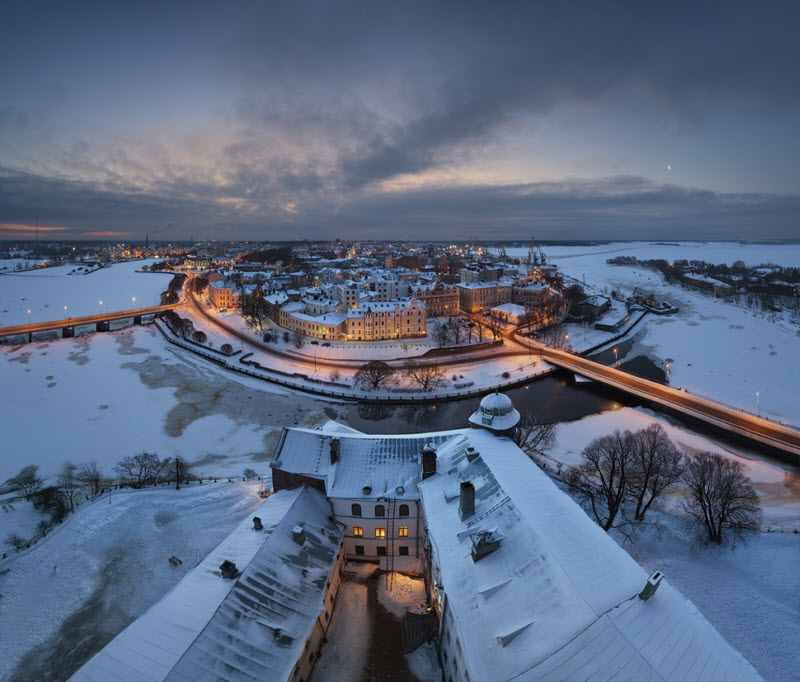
(380,510)
(380,532)
(359,550)
(403,510)
(356,510)
(357,531)
(403,551)
(402,532)
(381,551)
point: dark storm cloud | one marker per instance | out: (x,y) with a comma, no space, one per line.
(615,208)
(328,99)
(463,69)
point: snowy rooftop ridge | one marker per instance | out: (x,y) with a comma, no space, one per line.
(558,598)
(208,627)
(389,466)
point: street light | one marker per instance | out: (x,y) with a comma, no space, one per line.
(100,306)
(615,357)
(134,301)
(667,372)
(29,318)
(758,406)
(65,312)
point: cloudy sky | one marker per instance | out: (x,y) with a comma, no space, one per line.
(400,120)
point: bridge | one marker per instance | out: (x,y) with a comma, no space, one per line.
(774,435)
(101,322)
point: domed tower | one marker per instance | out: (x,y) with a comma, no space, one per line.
(496,413)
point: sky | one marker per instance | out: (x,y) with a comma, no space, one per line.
(400,120)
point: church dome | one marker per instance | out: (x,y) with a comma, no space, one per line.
(496,413)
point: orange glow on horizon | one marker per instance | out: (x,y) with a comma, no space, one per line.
(10,227)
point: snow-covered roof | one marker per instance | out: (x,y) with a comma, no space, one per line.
(558,598)
(368,466)
(496,412)
(511,308)
(252,627)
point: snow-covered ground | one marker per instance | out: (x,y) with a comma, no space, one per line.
(751,593)
(345,653)
(716,349)
(45,292)
(68,595)
(106,396)
(406,594)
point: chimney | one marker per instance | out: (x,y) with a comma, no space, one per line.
(257,525)
(335,445)
(428,461)
(298,535)
(472,454)
(651,586)
(466,505)
(229,570)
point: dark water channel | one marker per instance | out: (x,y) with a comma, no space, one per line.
(555,398)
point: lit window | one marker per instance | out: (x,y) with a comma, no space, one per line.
(402,532)
(358,531)
(380,532)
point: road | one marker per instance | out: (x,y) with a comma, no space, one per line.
(737,421)
(91,319)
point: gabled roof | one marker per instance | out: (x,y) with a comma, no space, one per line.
(251,628)
(381,464)
(558,599)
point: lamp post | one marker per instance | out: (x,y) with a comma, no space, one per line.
(616,361)
(668,373)
(65,312)
(133,300)
(100,306)
(758,406)
(29,318)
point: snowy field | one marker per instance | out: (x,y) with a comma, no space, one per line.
(46,292)
(714,348)
(106,396)
(106,565)
(751,594)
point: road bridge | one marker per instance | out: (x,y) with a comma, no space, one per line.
(101,322)
(763,431)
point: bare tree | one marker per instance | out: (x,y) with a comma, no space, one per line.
(602,482)
(374,374)
(249,474)
(480,327)
(16,541)
(657,464)
(142,469)
(441,334)
(297,339)
(27,481)
(182,471)
(494,325)
(457,329)
(428,374)
(68,483)
(532,434)
(90,474)
(721,501)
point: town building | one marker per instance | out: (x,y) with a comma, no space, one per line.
(440,299)
(224,295)
(510,313)
(475,297)
(376,321)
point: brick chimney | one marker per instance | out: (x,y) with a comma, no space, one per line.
(466,505)
(428,461)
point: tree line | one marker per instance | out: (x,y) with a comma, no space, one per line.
(623,474)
